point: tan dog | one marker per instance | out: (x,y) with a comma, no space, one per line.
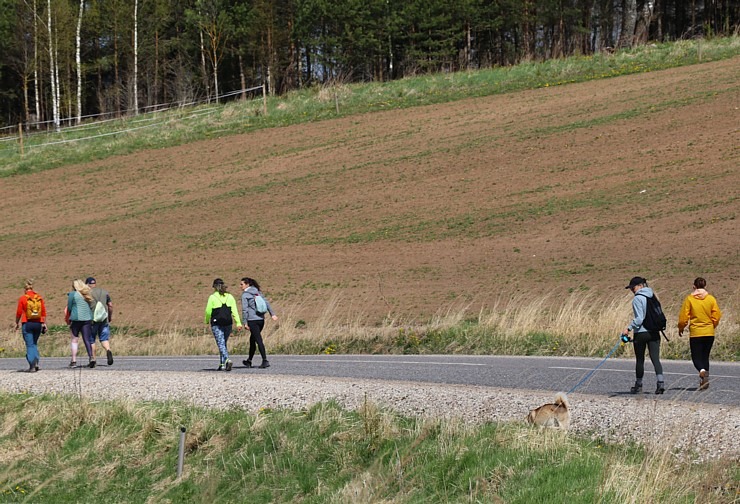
(556,415)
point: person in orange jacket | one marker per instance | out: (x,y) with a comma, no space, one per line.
(701,313)
(30,315)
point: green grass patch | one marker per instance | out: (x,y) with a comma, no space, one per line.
(63,448)
(163,129)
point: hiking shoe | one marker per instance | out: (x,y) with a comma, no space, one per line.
(636,389)
(264,364)
(229,364)
(660,388)
(73,364)
(109,354)
(92,364)
(247,363)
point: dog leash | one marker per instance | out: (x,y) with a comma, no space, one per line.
(621,342)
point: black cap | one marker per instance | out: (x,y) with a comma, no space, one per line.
(636,281)
(90,280)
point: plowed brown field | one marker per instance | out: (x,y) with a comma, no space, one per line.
(405,212)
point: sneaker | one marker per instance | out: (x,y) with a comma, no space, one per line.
(220,367)
(229,364)
(92,364)
(73,364)
(636,389)
(32,369)
(703,379)
(247,363)
(660,388)
(109,354)
(264,364)
(35,365)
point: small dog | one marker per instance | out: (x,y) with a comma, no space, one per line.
(556,415)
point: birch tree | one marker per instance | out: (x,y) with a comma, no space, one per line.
(78,60)
(136,57)
(53,73)
(36,96)
(210,17)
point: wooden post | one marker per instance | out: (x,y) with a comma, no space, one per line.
(20,136)
(336,99)
(264,100)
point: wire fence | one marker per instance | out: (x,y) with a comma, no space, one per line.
(30,136)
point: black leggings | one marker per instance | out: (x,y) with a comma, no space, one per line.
(651,341)
(84,327)
(700,348)
(255,338)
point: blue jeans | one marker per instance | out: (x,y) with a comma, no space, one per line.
(31,332)
(222,333)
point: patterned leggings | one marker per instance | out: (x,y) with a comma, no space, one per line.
(221,334)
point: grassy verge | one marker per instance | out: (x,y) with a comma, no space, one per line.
(579,325)
(59,449)
(101,140)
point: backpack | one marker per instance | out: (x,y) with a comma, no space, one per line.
(260,305)
(99,306)
(654,320)
(221,316)
(100,313)
(33,308)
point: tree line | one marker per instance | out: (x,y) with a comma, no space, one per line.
(69,59)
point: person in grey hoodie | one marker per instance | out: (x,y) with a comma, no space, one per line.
(254,319)
(642,337)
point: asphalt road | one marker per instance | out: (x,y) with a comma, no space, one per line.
(613,378)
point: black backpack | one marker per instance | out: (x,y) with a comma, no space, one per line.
(221,316)
(654,320)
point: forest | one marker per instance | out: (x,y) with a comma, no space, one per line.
(76,60)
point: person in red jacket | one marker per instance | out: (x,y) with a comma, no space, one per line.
(700,312)
(30,315)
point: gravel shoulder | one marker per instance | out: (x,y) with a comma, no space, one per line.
(702,431)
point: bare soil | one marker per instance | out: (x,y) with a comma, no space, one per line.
(404,212)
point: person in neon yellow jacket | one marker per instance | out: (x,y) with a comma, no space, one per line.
(701,313)
(222,314)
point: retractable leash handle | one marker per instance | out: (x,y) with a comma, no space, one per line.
(626,338)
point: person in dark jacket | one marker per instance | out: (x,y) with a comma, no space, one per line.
(255,320)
